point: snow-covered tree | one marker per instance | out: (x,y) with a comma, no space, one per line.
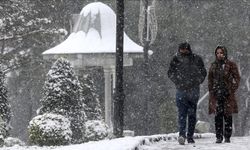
(96,128)
(62,95)
(5,113)
(91,98)
(26,30)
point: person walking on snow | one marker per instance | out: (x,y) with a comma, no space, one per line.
(187,72)
(223,81)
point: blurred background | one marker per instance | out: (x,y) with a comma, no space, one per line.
(28,28)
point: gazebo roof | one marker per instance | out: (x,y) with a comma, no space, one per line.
(94,32)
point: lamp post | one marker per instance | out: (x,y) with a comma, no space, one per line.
(119,93)
(147,35)
(146,65)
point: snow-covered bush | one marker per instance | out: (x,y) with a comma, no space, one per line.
(49,129)
(202,127)
(10,141)
(62,95)
(96,130)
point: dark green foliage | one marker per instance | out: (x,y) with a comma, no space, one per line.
(4,105)
(62,89)
(43,132)
(5,113)
(62,95)
(91,99)
(96,130)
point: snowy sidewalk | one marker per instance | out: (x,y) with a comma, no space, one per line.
(237,143)
(155,142)
(126,143)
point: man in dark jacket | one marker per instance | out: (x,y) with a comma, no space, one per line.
(187,71)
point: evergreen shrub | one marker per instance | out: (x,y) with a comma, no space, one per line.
(96,130)
(50,130)
(62,95)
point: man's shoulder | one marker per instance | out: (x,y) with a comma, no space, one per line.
(196,56)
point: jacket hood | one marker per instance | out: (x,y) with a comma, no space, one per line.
(184,45)
(224,50)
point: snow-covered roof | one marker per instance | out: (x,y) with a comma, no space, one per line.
(94,32)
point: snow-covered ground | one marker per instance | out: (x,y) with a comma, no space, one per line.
(156,142)
(237,143)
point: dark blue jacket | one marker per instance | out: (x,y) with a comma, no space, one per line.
(187,71)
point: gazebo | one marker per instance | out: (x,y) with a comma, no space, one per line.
(92,43)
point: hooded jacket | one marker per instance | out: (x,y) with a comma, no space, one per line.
(230,78)
(186,71)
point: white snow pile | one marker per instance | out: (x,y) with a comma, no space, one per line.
(10,141)
(125,143)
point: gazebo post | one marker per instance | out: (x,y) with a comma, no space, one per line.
(113,78)
(108,97)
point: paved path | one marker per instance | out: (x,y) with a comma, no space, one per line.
(237,143)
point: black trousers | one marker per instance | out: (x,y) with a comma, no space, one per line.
(223,123)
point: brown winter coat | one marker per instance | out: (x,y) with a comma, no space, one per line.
(232,79)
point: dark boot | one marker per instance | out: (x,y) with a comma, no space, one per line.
(190,140)
(228,128)
(227,140)
(219,123)
(218,140)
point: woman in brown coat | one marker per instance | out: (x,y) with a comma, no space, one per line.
(223,81)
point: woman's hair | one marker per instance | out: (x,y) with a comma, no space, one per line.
(223,48)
